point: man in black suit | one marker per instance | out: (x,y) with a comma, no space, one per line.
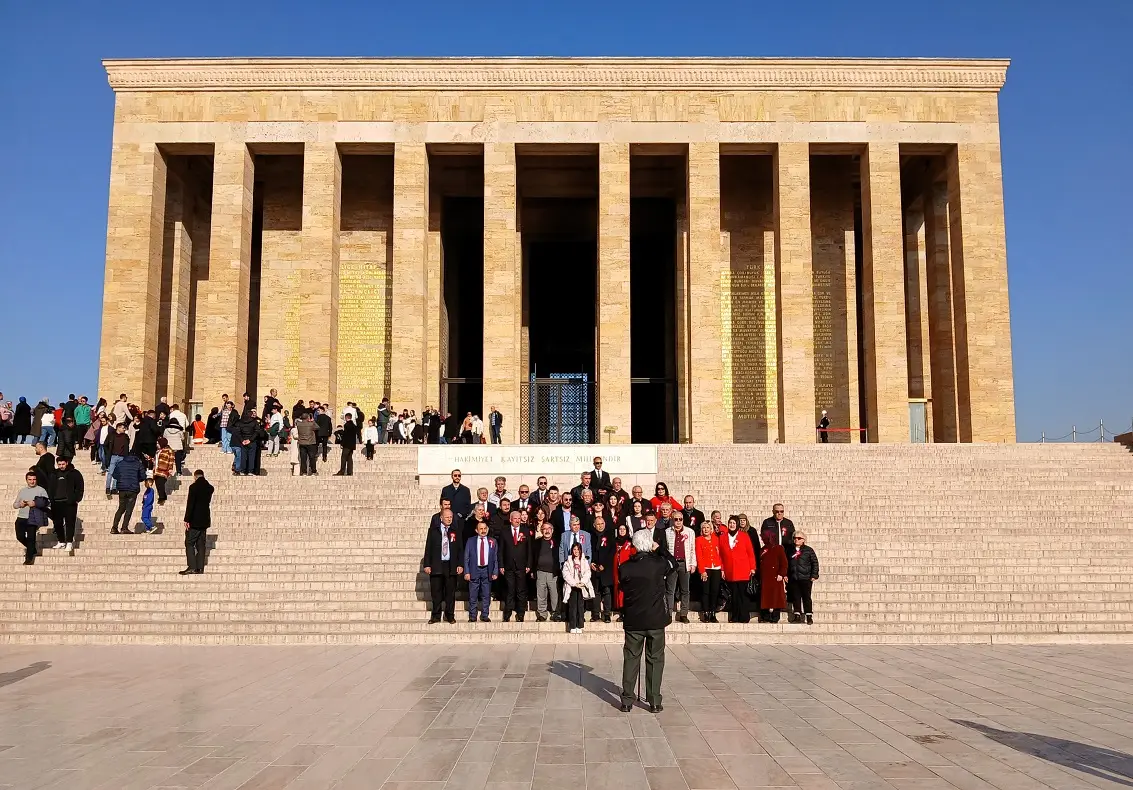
(443,564)
(576,492)
(349,441)
(560,516)
(539,495)
(600,482)
(324,427)
(198,518)
(515,556)
(458,495)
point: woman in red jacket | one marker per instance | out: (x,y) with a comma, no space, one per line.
(772,576)
(662,491)
(738,560)
(711,570)
(623,550)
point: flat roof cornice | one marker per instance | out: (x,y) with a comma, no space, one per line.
(468,74)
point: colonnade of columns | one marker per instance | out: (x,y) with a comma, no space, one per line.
(969,334)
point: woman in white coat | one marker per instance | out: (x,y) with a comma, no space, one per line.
(577,588)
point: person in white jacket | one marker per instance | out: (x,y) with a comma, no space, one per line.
(370,437)
(577,588)
(681,543)
(293,450)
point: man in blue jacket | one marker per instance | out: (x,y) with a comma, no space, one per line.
(481,568)
(128,477)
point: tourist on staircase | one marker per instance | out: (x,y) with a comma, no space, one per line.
(128,477)
(443,564)
(307,440)
(711,569)
(545,568)
(514,560)
(738,560)
(772,579)
(198,519)
(481,568)
(164,467)
(65,490)
(803,574)
(577,587)
(31,514)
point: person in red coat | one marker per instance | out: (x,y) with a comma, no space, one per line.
(738,560)
(772,578)
(623,550)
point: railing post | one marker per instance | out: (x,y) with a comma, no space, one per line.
(1074,433)
(1043,440)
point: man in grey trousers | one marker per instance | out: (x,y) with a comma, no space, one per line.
(544,563)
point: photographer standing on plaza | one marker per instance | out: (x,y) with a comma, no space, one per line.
(641,580)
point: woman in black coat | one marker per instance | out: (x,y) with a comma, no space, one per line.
(212,427)
(602,550)
(21,421)
(803,573)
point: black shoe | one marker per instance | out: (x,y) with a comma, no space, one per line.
(185,572)
(198,572)
(338,474)
(29,561)
(626,707)
(471,619)
(507,618)
(618,619)
(656,708)
(485,619)
(594,618)
(606,617)
(682,618)
(519,618)
(556,618)
(809,620)
(434,620)
(450,620)
(540,618)
(114,530)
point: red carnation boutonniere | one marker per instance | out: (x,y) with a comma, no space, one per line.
(603,541)
(452,536)
(521,536)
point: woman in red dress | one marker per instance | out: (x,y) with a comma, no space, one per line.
(662,495)
(623,550)
(772,577)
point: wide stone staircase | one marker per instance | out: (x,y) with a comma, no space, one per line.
(929,543)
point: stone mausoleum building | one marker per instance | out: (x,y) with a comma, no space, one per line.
(607,250)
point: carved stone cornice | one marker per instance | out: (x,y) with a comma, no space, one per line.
(470,74)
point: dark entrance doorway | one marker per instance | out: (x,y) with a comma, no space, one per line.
(558,220)
(462,239)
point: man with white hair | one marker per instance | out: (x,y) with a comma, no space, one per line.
(644,618)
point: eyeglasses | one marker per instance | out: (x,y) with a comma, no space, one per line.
(797,540)
(777,511)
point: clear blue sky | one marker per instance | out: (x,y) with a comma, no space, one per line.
(1065,113)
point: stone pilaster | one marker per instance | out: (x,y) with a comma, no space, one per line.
(176,309)
(985,387)
(708,422)
(222,296)
(680,297)
(883,295)
(318,292)
(410,248)
(436,329)
(613,293)
(503,288)
(795,302)
(132,289)
(941,329)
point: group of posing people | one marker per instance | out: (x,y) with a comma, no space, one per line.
(575,542)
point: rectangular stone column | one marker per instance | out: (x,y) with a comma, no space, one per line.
(795,303)
(176,310)
(709,423)
(132,290)
(503,289)
(410,250)
(436,330)
(883,295)
(222,296)
(613,293)
(985,384)
(318,291)
(938,266)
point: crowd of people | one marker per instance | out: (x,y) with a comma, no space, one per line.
(564,548)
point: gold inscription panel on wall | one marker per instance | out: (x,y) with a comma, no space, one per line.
(745,350)
(363,331)
(824,338)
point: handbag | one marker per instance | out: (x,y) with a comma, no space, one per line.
(753,587)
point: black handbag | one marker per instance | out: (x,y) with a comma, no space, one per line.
(753,587)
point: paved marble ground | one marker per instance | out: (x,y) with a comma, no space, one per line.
(530,717)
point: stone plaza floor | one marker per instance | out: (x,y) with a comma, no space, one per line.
(545,718)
